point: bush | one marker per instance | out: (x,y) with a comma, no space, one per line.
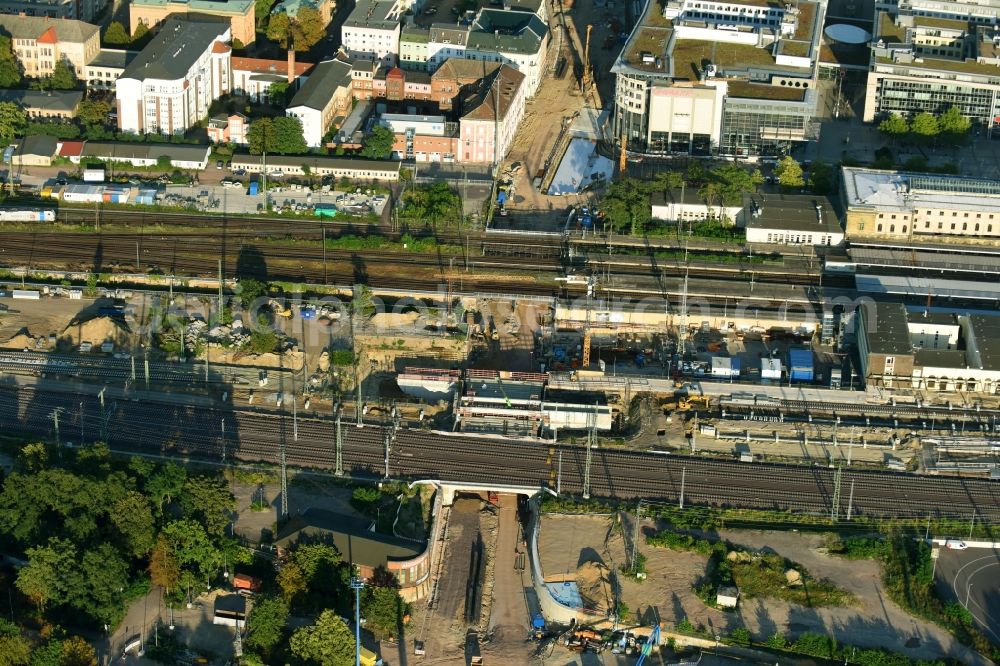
(816,645)
(740,636)
(261,342)
(365,499)
(776,642)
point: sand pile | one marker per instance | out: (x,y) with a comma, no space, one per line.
(98,330)
(595,588)
(20,340)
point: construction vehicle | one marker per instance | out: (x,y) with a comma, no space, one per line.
(537,632)
(280,308)
(506,400)
(693,402)
(652,642)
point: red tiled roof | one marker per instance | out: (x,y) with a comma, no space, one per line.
(220,47)
(71,149)
(48,37)
(262,66)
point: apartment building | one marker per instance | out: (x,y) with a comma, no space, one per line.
(422,138)
(170,85)
(491,114)
(241,14)
(324,97)
(929,56)
(372,80)
(80,10)
(326,8)
(457,77)
(39,43)
(728,78)
(44,105)
(371,31)
(928,351)
(254,77)
(894,205)
(102,72)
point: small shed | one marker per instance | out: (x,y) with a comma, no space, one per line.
(770,368)
(230,610)
(727,596)
(724,366)
(800,364)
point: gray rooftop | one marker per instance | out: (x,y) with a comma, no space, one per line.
(986,330)
(322,84)
(940,358)
(512,390)
(372,14)
(791,212)
(176,48)
(115,58)
(886,328)
(33,27)
(42,145)
(898,190)
(356,543)
(507,31)
(316,162)
(59,100)
(124,150)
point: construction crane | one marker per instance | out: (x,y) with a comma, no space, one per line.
(653,641)
(586,60)
(506,400)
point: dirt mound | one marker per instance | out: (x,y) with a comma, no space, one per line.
(98,330)
(595,588)
(20,340)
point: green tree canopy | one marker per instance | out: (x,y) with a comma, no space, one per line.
(14,647)
(165,485)
(382,606)
(282,135)
(93,112)
(63,76)
(266,623)
(132,517)
(433,204)
(894,125)
(279,27)
(164,570)
(821,178)
(789,173)
(12,122)
(307,28)
(925,126)
(10,68)
(48,577)
(262,11)
(328,642)
(207,500)
(116,34)
(953,123)
(377,144)
(196,556)
(626,206)
(140,33)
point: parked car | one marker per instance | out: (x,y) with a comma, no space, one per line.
(955,544)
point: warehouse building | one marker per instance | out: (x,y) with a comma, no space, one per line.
(896,205)
(928,351)
(790,219)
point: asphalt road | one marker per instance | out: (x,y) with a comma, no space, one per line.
(224,435)
(972,577)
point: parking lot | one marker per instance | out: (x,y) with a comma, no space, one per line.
(972,578)
(284,197)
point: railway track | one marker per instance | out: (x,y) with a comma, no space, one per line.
(225,435)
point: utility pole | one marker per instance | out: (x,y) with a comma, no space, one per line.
(357,584)
(835,509)
(340,447)
(145,363)
(850,502)
(220,291)
(55,422)
(357,380)
(591,443)
(284,474)
(81,422)
(972,524)
(559,476)
(223,426)
(680,503)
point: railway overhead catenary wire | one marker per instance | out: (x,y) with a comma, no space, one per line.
(195,431)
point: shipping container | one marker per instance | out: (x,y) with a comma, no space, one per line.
(83,193)
(94,174)
(325,210)
(725,367)
(770,368)
(28,294)
(800,365)
(253,188)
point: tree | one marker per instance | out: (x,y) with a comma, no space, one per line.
(266,623)
(132,517)
(328,642)
(377,145)
(276,135)
(208,500)
(49,573)
(93,112)
(12,122)
(669,180)
(925,126)
(821,178)
(104,575)
(789,173)
(288,139)
(277,92)
(10,68)
(77,652)
(894,125)
(116,34)
(278,27)
(953,123)
(735,181)
(140,33)
(384,609)
(197,558)
(362,302)
(250,290)
(164,570)
(307,28)
(14,648)
(166,484)
(262,11)
(292,581)
(63,76)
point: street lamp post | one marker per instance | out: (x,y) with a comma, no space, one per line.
(357,584)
